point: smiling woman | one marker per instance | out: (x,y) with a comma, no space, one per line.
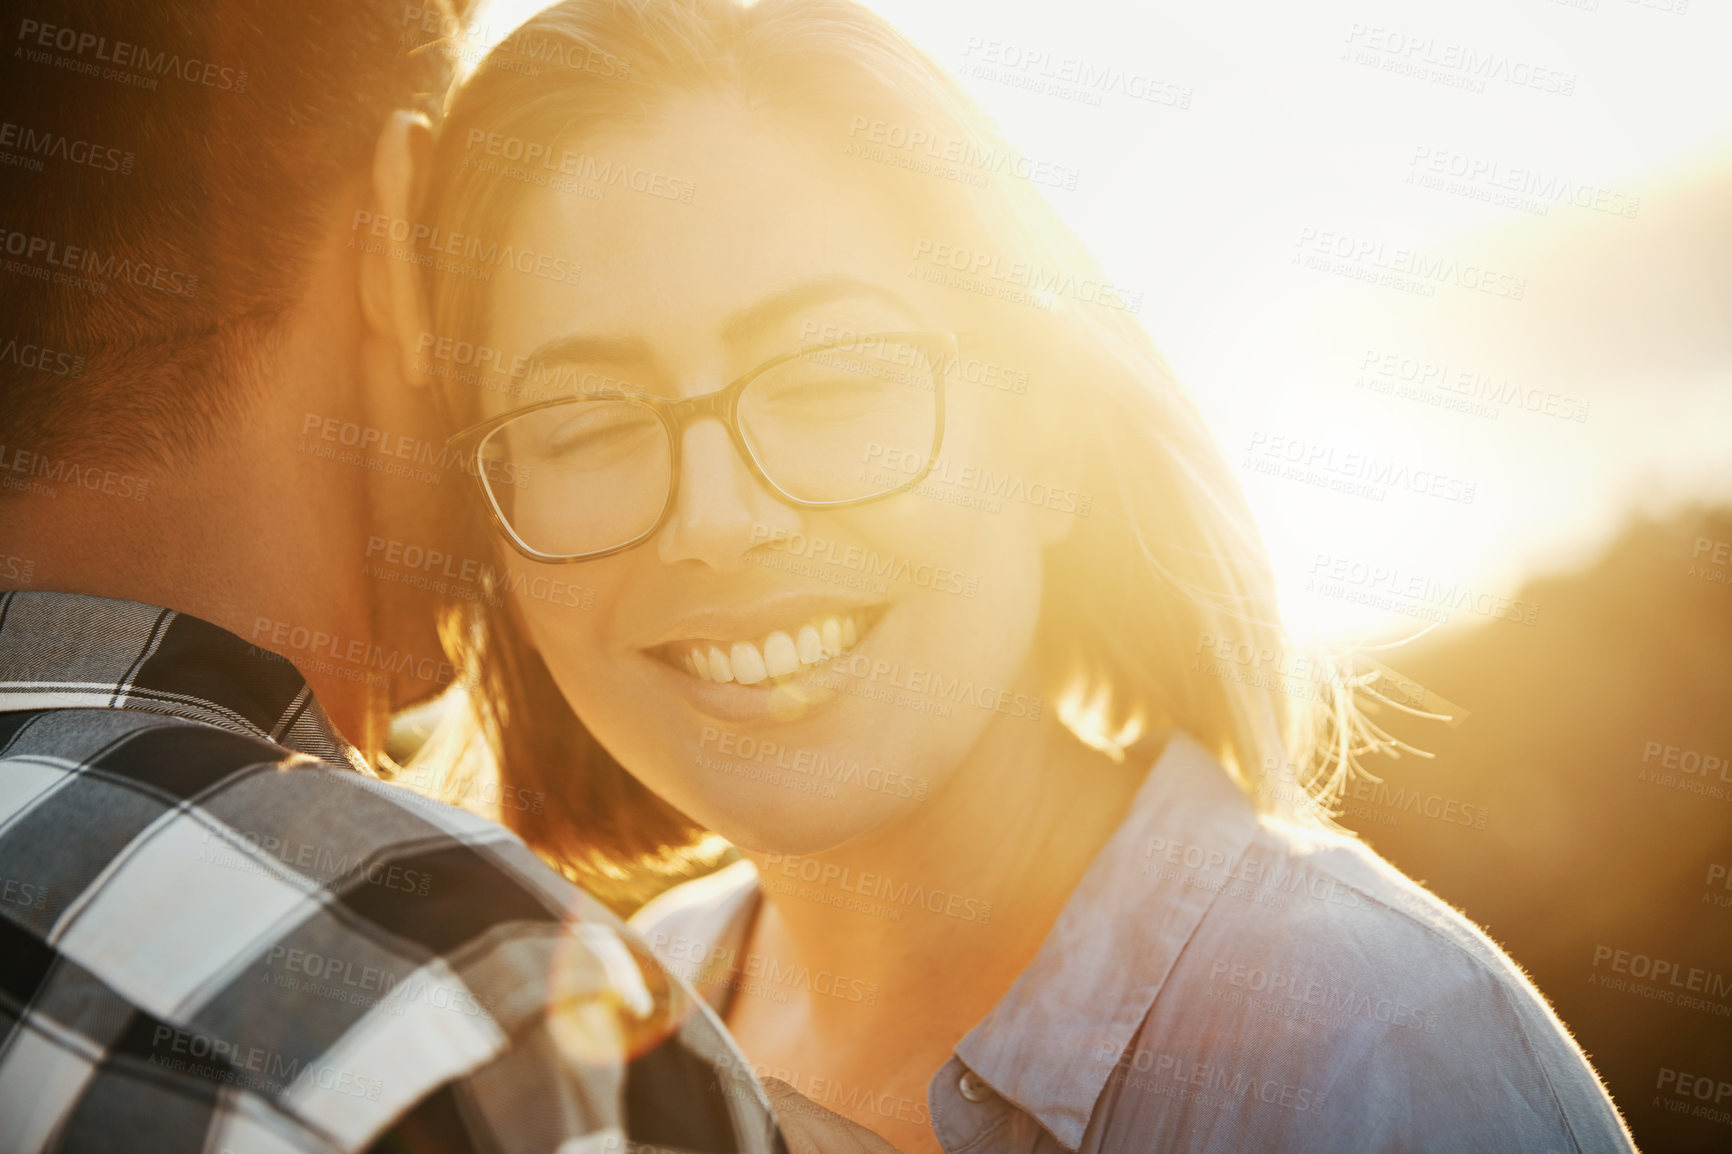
(792,243)
(825,554)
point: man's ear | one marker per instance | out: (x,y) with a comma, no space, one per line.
(392,297)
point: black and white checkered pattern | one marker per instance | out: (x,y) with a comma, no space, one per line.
(219,933)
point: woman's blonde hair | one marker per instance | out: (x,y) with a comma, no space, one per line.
(1160,606)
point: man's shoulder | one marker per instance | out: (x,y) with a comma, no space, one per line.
(121,773)
(311,937)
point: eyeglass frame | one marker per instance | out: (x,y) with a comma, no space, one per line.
(676,415)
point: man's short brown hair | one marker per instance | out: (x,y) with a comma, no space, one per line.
(164,167)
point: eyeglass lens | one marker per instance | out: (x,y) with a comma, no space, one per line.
(831,426)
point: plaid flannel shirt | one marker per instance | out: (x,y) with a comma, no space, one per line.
(219,932)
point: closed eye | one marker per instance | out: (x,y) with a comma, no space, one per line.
(587,435)
(832,399)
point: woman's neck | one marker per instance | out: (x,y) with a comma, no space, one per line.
(940,910)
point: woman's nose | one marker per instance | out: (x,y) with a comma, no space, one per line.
(722,511)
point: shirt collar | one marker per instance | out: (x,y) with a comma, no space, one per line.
(1099,970)
(72,651)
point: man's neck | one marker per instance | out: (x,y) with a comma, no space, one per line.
(222,539)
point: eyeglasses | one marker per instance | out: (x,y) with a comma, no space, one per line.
(581,477)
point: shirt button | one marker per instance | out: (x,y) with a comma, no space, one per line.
(972,1087)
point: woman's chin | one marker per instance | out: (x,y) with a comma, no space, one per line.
(829,824)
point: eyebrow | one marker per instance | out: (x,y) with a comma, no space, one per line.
(752,320)
(578,349)
(739,327)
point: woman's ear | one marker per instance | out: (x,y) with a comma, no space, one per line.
(393,301)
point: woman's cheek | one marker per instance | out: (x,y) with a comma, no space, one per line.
(566,610)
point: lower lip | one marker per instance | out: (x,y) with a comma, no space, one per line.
(769,701)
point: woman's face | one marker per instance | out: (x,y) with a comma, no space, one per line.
(932,602)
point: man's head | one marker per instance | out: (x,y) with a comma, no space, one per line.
(213,134)
(188,306)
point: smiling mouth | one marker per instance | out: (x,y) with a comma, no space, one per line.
(775,657)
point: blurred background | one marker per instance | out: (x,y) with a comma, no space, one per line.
(1453,284)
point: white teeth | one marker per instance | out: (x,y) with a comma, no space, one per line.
(781,654)
(811,646)
(780,657)
(747,662)
(719,670)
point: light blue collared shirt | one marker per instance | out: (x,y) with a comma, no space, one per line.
(1227,982)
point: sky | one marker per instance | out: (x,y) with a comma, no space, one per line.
(1478,251)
